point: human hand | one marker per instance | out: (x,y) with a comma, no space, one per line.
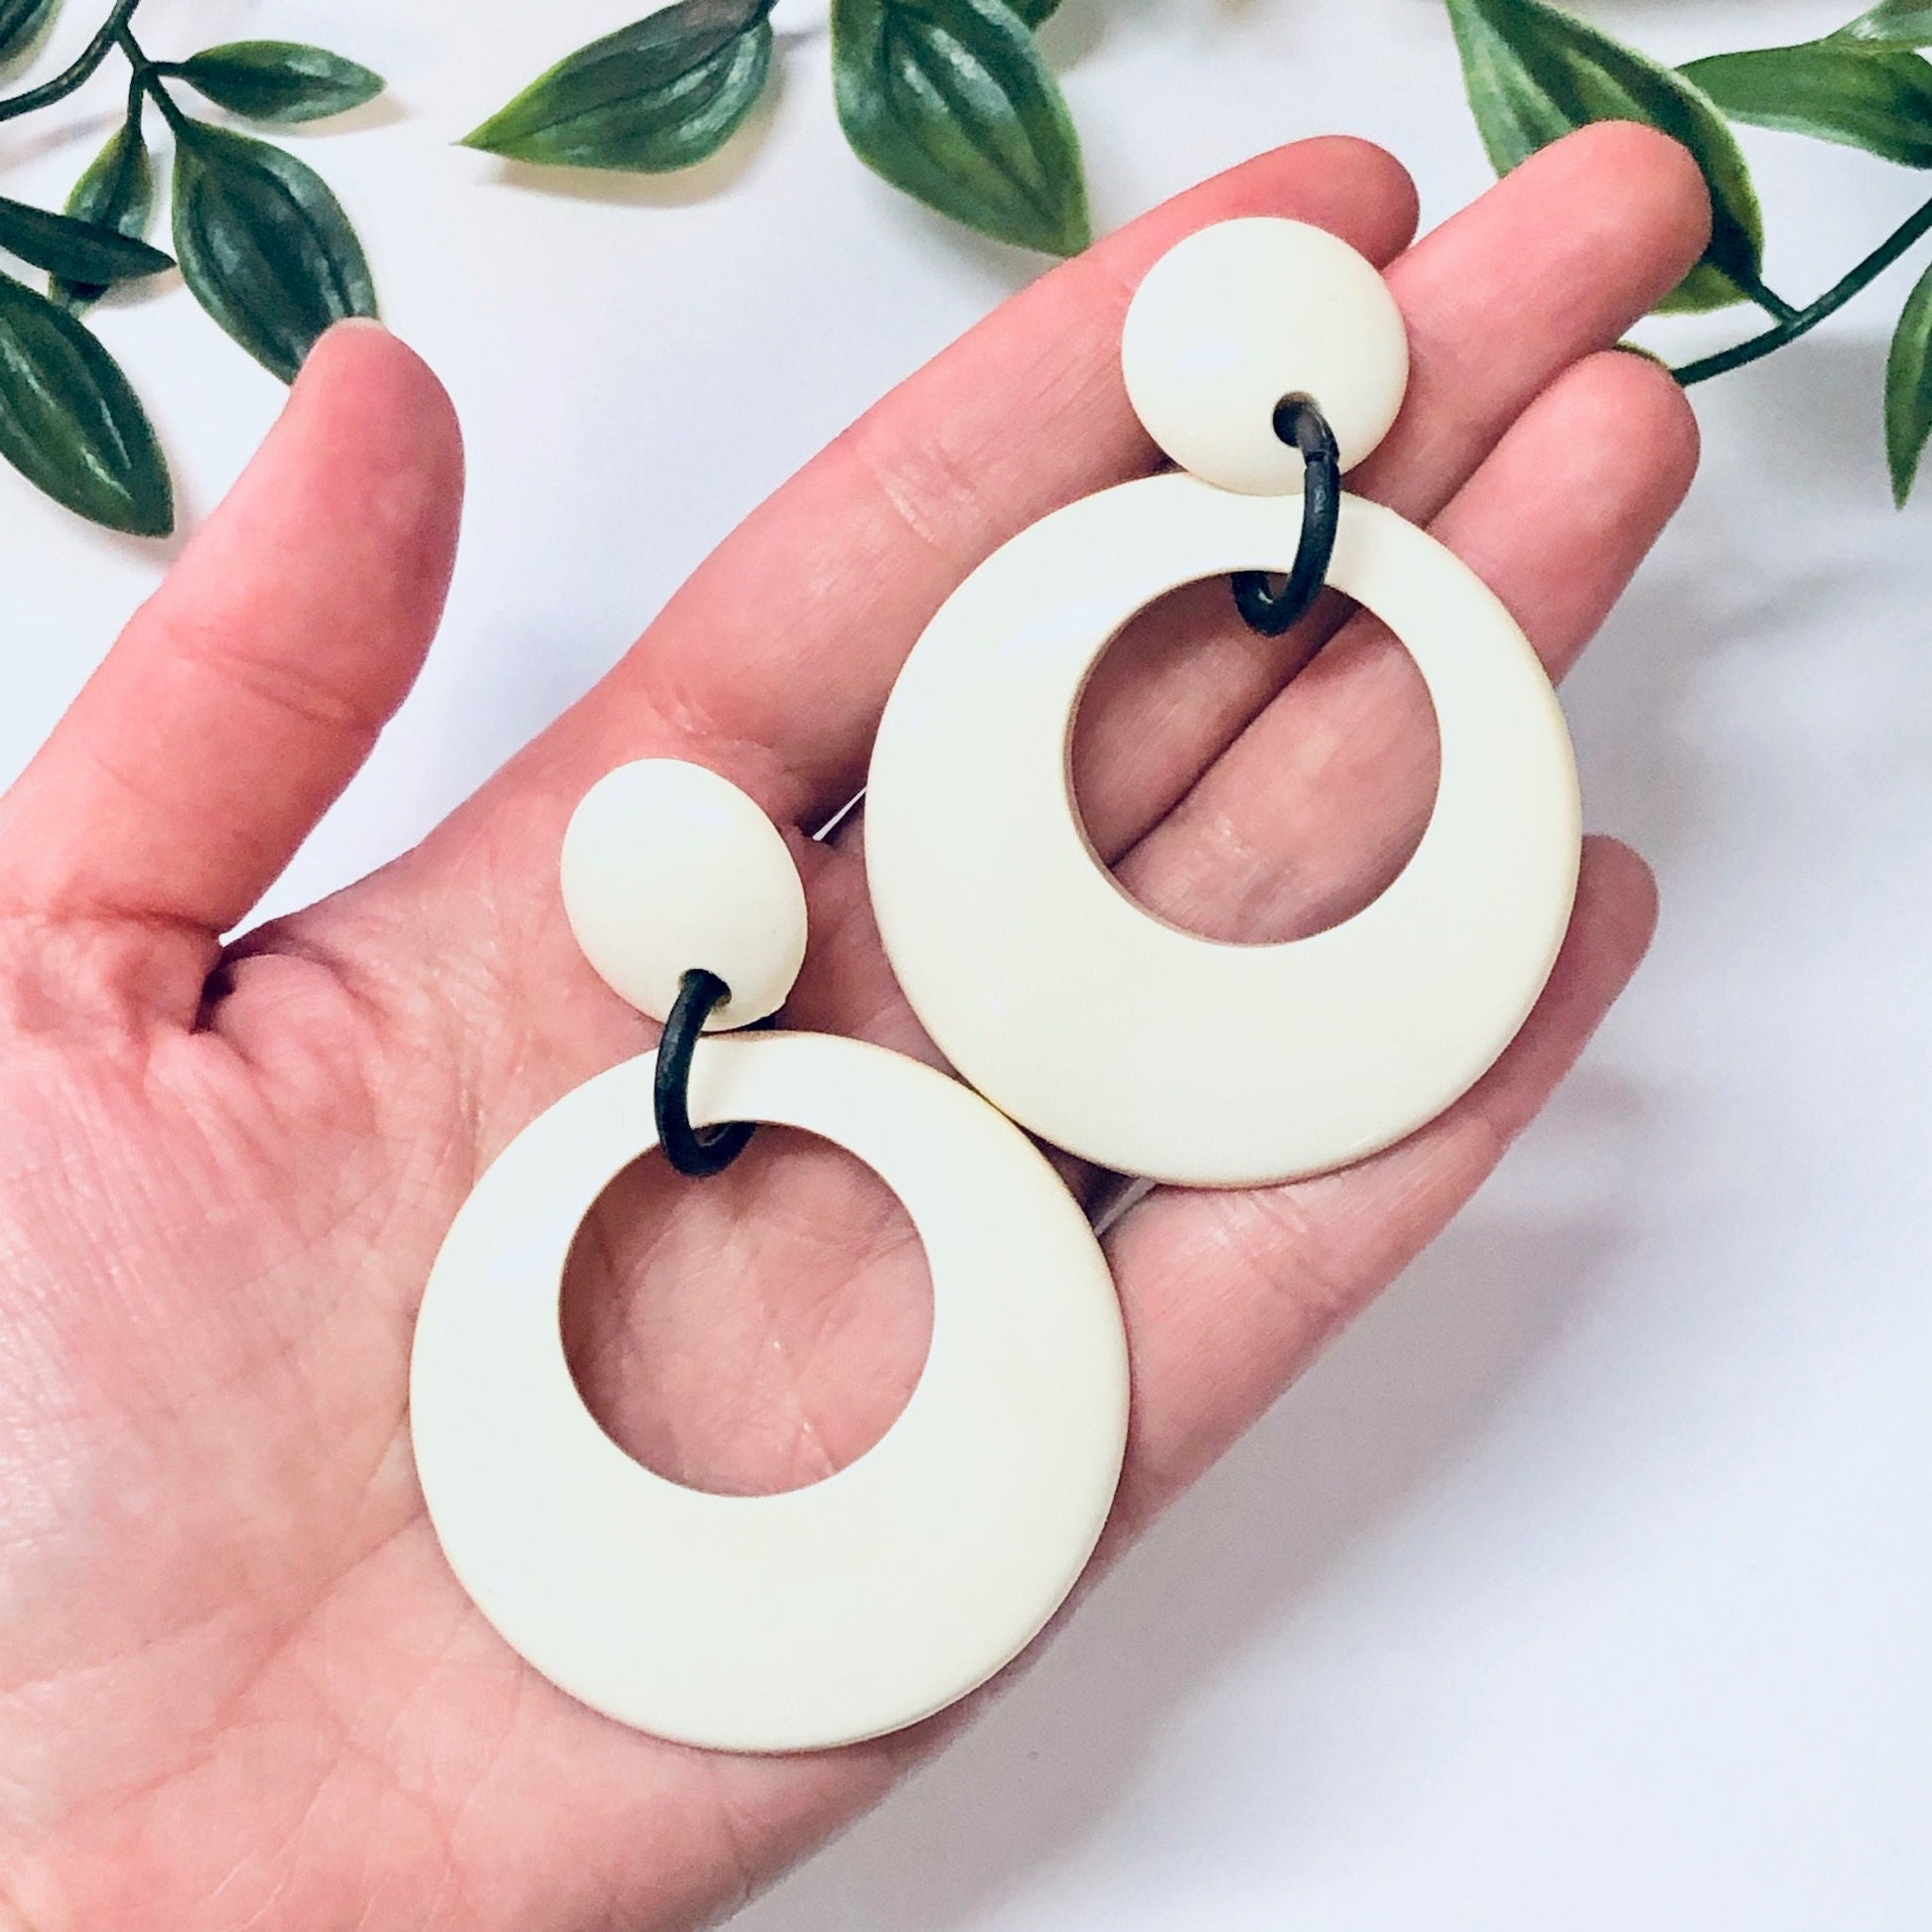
(237,1683)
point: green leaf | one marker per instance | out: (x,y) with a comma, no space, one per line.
(1877,100)
(1536,74)
(118,193)
(264,245)
(949,100)
(1892,23)
(77,251)
(1036,12)
(659,94)
(1908,391)
(279,81)
(22,23)
(69,422)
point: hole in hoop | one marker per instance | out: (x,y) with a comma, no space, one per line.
(1316,805)
(751,1332)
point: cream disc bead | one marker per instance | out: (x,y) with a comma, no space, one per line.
(1107,1031)
(666,869)
(825,1614)
(1242,314)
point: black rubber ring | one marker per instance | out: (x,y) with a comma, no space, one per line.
(1300,423)
(688,1151)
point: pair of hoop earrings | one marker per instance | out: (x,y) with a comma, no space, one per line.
(1252,351)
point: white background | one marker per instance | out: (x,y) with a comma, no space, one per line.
(1585,1583)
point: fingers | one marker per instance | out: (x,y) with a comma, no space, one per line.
(1229,1296)
(1320,801)
(1028,411)
(246,692)
(1558,259)
(783,647)
(1569,504)
(1555,262)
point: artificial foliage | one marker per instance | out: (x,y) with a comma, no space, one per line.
(1536,73)
(259,239)
(949,100)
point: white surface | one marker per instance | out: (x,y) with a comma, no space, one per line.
(668,869)
(1120,1037)
(1240,315)
(828,1613)
(1584,1584)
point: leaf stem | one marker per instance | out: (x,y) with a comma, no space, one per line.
(147,75)
(1773,304)
(1805,320)
(72,78)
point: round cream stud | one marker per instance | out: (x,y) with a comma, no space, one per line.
(668,867)
(1240,315)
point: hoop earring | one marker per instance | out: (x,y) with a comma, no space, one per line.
(874,1598)
(1103,1029)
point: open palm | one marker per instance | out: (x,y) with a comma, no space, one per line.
(238,1687)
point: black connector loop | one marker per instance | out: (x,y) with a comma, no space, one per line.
(1300,423)
(688,1151)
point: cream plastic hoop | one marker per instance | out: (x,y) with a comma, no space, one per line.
(826,1614)
(1151,1050)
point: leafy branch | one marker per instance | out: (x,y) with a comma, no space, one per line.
(1535,72)
(949,100)
(946,99)
(260,240)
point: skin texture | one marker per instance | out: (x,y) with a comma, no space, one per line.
(238,1688)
